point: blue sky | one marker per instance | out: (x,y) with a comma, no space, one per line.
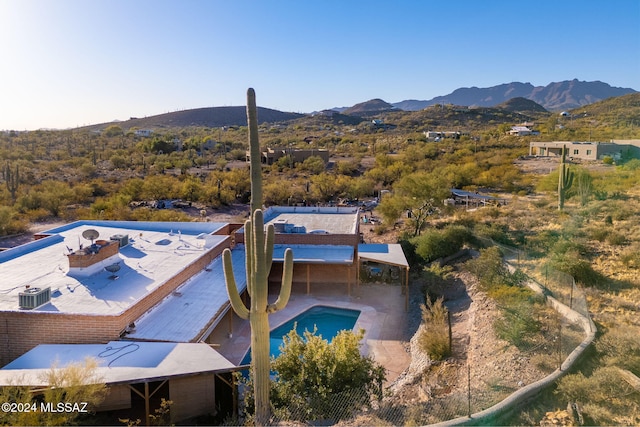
(68,63)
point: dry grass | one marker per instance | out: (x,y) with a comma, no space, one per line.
(605,235)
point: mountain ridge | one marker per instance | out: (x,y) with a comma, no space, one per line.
(559,96)
(205,117)
(556,96)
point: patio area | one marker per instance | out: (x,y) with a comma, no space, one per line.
(383,317)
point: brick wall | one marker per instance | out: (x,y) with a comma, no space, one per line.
(310,239)
(83,259)
(192,396)
(318,273)
(20,331)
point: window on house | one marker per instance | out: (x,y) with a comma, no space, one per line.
(575,152)
(588,152)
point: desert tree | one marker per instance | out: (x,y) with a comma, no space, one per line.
(420,195)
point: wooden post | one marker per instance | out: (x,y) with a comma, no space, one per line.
(147,408)
(468,387)
(406,294)
(450,332)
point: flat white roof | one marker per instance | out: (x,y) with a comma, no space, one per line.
(195,307)
(383,253)
(118,361)
(333,220)
(156,252)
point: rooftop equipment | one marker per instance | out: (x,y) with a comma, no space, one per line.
(123,239)
(32,298)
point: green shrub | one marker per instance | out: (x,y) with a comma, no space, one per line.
(599,234)
(434,338)
(573,264)
(434,244)
(487,267)
(604,396)
(620,347)
(616,239)
(631,257)
(316,379)
(9,222)
(496,232)
(517,324)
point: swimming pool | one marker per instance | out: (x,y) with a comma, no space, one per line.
(328,320)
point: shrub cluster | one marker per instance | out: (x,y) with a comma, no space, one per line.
(434,244)
(316,379)
(518,324)
(434,338)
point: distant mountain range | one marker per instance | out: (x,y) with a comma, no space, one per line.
(513,97)
(566,95)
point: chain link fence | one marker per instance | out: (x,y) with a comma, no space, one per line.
(457,388)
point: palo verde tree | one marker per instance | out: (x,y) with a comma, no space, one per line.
(419,194)
(259,257)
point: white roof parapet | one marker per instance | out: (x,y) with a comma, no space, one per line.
(155,253)
(118,361)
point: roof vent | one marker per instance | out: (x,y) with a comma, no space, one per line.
(34,297)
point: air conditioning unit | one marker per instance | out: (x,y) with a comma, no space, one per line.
(122,238)
(34,297)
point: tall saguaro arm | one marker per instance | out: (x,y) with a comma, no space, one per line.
(259,244)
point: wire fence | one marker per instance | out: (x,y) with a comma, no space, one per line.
(456,387)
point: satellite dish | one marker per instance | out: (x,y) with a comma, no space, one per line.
(90,234)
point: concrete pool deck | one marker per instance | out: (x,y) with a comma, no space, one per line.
(382,316)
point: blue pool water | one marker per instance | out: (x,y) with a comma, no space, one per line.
(328,320)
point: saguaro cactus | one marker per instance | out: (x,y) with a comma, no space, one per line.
(565,179)
(11,179)
(259,257)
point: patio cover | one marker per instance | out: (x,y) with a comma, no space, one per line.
(390,254)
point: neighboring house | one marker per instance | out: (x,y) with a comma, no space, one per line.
(587,150)
(437,135)
(143,133)
(522,131)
